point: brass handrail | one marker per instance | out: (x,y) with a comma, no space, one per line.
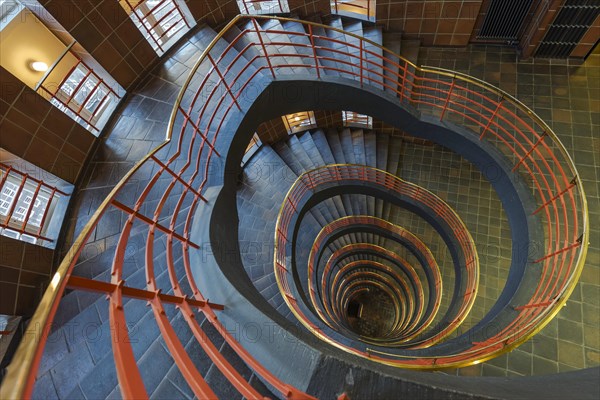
(29,353)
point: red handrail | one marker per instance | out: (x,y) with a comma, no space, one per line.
(500,119)
(425,252)
(310,181)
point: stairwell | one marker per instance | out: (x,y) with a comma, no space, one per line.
(78,361)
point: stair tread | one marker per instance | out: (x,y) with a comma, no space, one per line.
(347,146)
(320,141)
(375,63)
(300,153)
(391,62)
(349,62)
(332,67)
(288,157)
(292,26)
(285,48)
(358,146)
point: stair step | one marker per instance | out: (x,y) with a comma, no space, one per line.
(370,141)
(332,67)
(410,50)
(358,145)
(311,149)
(336,146)
(298,150)
(243,41)
(302,40)
(346,62)
(394,156)
(371,153)
(375,63)
(313,152)
(283,45)
(393,163)
(393,42)
(353,42)
(383,141)
(347,146)
(288,157)
(322,145)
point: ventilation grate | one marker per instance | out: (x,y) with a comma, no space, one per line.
(572,22)
(504,19)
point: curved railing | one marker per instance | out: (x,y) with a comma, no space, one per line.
(430,268)
(338,175)
(183,159)
(360,273)
(410,330)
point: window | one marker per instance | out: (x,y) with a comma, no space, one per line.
(263,7)
(353,119)
(82,95)
(162,22)
(30,209)
(361,9)
(8,326)
(55,70)
(300,121)
(252,148)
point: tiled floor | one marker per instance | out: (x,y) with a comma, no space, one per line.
(567,96)
(465,189)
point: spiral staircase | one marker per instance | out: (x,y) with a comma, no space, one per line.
(326,267)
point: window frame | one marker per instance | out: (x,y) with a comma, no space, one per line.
(299,121)
(355,9)
(18,225)
(148,18)
(248,7)
(353,119)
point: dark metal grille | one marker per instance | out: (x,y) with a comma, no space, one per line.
(574,19)
(504,19)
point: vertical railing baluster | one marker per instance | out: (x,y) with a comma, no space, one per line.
(537,143)
(262,44)
(491,118)
(312,43)
(361,62)
(216,67)
(403,87)
(448,97)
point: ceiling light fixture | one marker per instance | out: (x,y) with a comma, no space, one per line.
(39,66)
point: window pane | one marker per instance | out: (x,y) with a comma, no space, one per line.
(30,209)
(263,7)
(161,22)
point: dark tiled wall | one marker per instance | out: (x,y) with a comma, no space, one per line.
(274,130)
(33,129)
(24,271)
(439,23)
(104,29)
(40,133)
(217,13)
